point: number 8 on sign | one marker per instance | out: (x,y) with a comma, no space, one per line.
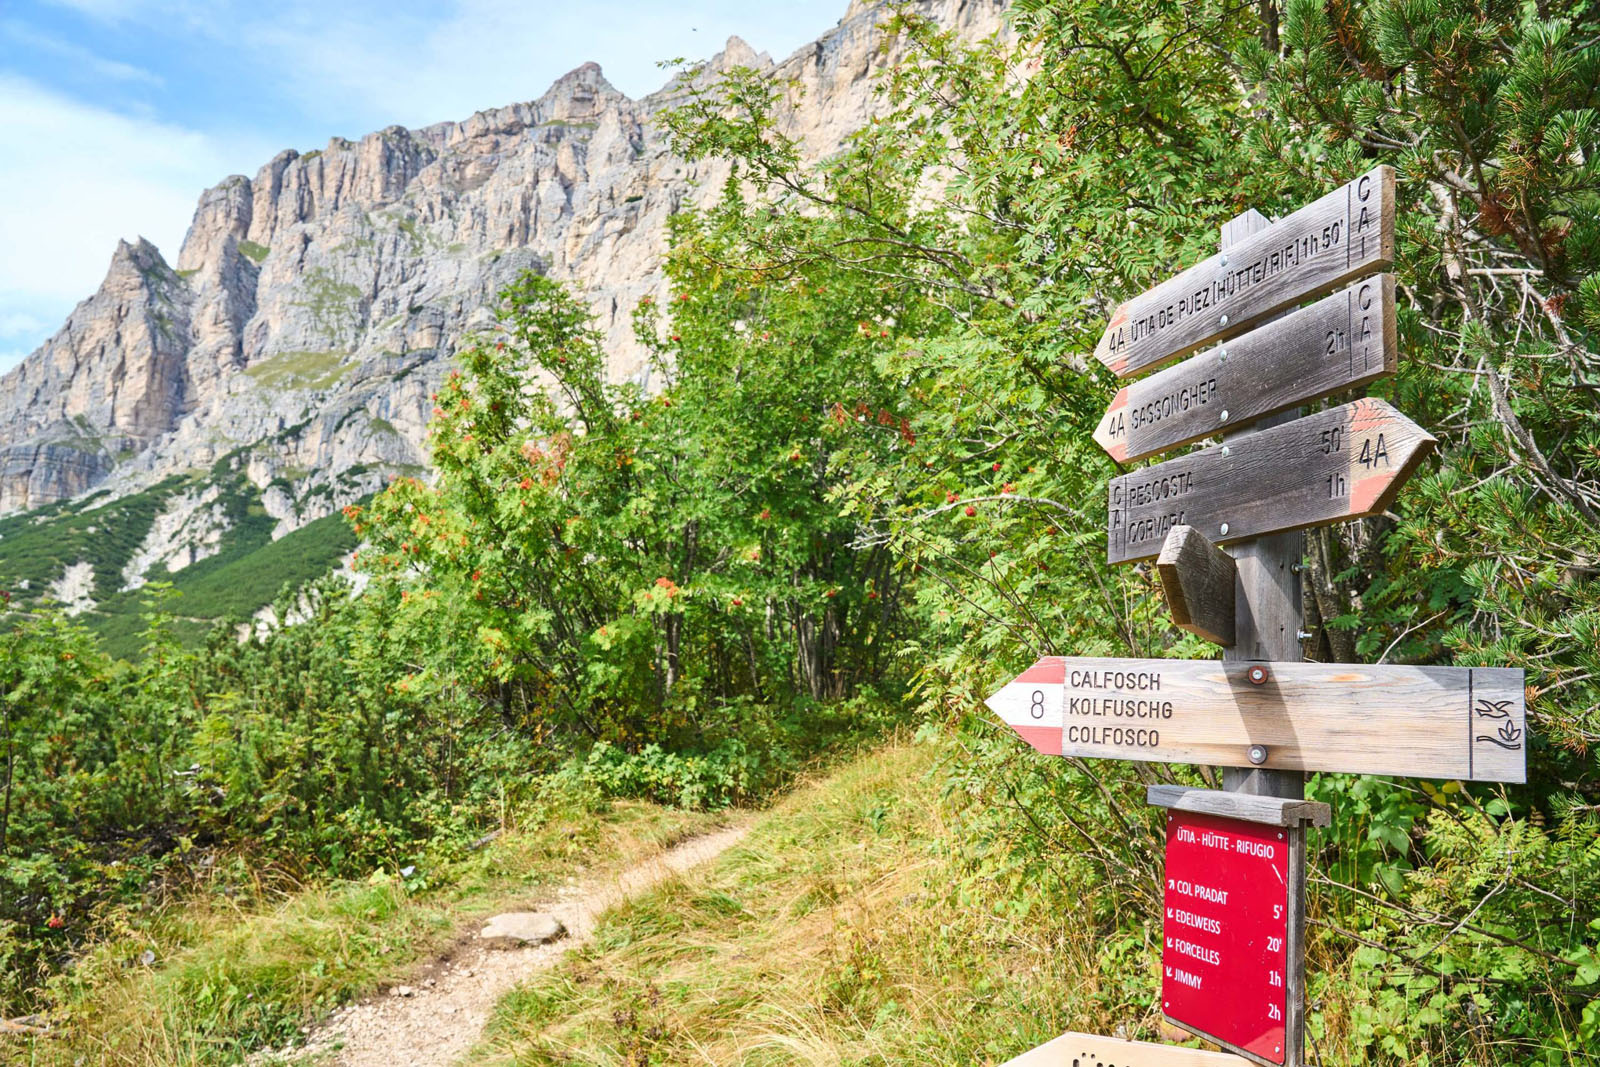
(1036,709)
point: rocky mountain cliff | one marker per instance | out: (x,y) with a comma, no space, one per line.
(313,307)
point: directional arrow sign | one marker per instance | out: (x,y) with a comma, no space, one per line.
(1342,341)
(1340,464)
(1424,722)
(1348,233)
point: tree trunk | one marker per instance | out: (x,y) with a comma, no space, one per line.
(755,667)
(1328,601)
(1267,17)
(5,812)
(674,645)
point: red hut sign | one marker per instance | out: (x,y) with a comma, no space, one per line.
(1225,941)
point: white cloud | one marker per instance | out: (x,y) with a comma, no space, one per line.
(420,63)
(74,55)
(19,322)
(415,62)
(108,10)
(24,322)
(77,178)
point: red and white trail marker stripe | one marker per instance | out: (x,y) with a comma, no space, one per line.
(1031,704)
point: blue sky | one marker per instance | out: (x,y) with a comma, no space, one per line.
(116,114)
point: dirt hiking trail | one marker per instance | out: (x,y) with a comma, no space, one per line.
(440,1013)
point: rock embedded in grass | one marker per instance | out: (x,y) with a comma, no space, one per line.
(513,929)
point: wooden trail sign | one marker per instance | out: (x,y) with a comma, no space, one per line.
(1423,722)
(1233,935)
(1089,1050)
(1342,236)
(1340,342)
(1340,464)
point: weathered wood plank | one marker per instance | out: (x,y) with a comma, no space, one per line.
(1198,579)
(1335,465)
(1274,811)
(1340,237)
(1341,342)
(1090,1050)
(1426,722)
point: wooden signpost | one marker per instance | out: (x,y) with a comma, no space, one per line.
(1347,234)
(1233,963)
(1351,718)
(1341,464)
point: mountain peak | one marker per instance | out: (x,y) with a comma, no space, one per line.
(138,256)
(583,72)
(138,248)
(586,78)
(317,304)
(738,53)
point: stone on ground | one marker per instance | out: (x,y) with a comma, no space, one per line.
(516,928)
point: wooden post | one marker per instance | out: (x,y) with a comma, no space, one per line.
(1267,621)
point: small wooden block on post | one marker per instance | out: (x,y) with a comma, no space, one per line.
(1198,580)
(1274,811)
(1089,1050)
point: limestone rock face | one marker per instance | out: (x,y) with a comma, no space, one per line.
(72,589)
(190,530)
(112,381)
(315,306)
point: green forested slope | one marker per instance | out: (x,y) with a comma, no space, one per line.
(247,572)
(36,546)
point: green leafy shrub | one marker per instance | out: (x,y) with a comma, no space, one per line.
(616,567)
(715,779)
